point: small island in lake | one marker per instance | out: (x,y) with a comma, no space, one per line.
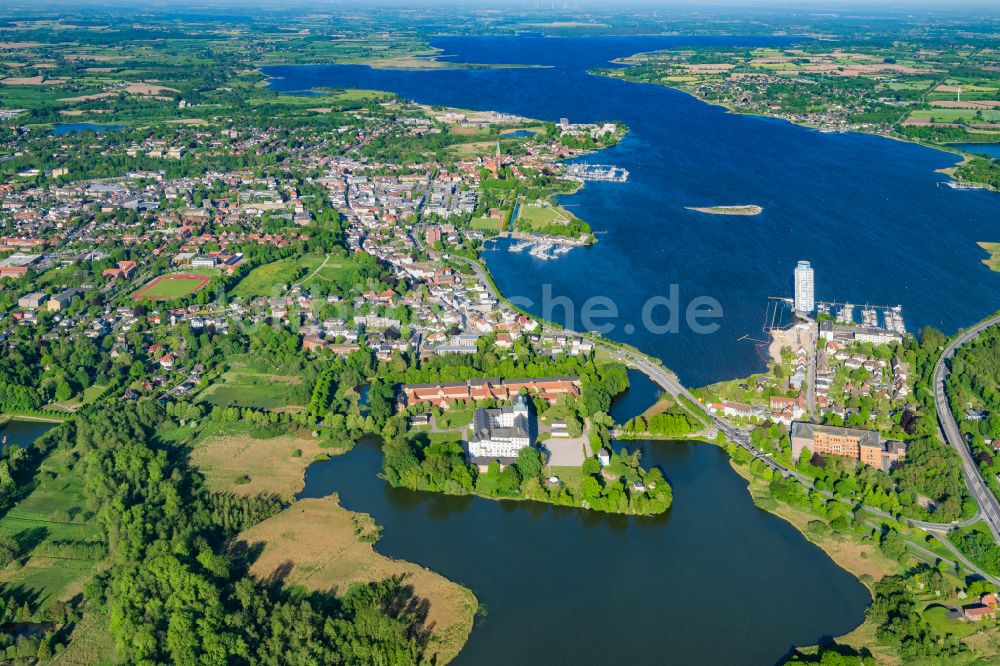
(728,210)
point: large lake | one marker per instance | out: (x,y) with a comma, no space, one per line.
(713,581)
(871,214)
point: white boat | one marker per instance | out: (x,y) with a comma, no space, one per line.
(541,251)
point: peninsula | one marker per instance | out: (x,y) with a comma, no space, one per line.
(993,249)
(928,89)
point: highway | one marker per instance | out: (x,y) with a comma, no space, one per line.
(987,501)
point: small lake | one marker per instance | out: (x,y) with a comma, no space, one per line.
(69,128)
(991,149)
(517,134)
(713,581)
(23,433)
(641,393)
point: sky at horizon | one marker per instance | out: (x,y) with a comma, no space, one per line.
(608,6)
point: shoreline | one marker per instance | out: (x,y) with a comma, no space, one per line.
(481,265)
(444,645)
(28,418)
(944,148)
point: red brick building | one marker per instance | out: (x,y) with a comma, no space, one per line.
(442,394)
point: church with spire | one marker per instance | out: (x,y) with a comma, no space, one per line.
(495,163)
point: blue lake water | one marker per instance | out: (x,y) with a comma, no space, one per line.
(991,149)
(23,433)
(517,134)
(715,580)
(637,398)
(869,213)
(68,128)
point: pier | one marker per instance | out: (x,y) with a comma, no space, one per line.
(596,172)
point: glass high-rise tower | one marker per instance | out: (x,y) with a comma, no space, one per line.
(804,301)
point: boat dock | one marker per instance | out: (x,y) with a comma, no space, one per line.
(892,315)
(541,246)
(596,172)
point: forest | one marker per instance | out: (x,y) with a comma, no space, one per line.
(174,591)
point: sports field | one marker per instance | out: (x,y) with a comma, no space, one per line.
(489,223)
(169,287)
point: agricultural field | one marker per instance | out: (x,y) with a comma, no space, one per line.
(172,287)
(968,116)
(53,512)
(241,386)
(325,101)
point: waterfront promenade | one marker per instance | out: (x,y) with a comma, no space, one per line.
(670,383)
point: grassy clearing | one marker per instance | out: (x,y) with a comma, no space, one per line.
(230,455)
(272,279)
(455,418)
(472,149)
(242,387)
(937,616)
(571,477)
(541,217)
(92,393)
(320,545)
(90,643)
(658,407)
(88,396)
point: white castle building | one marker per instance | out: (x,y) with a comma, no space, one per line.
(500,434)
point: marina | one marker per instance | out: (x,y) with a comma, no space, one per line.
(652,241)
(540,246)
(955,185)
(891,315)
(596,172)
